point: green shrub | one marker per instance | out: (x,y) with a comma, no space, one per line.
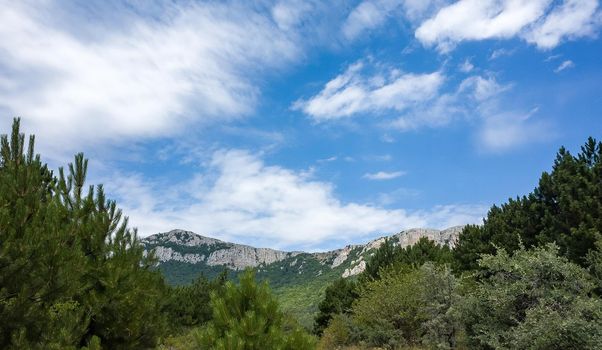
(532,300)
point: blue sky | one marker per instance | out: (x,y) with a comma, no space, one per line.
(304,124)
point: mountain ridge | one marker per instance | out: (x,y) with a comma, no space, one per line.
(191,248)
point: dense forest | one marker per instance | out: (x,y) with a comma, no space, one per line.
(74,276)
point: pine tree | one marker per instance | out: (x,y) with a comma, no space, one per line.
(565,208)
(72,273)
(247,317)
(338,298)
(38,268)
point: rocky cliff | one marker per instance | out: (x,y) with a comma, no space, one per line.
(185,250)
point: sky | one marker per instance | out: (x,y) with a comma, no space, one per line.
(304,125)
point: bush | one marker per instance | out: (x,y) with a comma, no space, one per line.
(532,300)
(408,307)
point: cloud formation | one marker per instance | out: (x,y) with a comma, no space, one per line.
(384,175)
(564,65)
(241,198)
(544,23)
(410,101)
(371,14)
(139,77)
(507,130)
(354,92)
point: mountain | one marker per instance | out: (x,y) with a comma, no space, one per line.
(297,278)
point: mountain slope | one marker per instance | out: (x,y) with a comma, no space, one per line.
(297,278)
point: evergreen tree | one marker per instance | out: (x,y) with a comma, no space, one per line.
(246,317)
(565,208)
(71,272)
(38,267)
(384,256)
(189,305)
(338,298)
(423,251)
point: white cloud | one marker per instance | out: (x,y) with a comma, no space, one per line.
(241,198)
(368,15)
(542,22)
(481,88)
(552,58)
(143,77)
(572,19)
(288,14)
(505,131)
(384,175)
(352,93)
(500,53)
(473,96)
(466,66)
(327,160)
(564,65)
(371,14)
(407,101)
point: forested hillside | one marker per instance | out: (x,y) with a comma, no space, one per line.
(74,275)
(298,279)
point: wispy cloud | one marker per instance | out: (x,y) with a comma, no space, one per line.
(508,130)
(141,77)
(501,53)
(354,92)
(384,175)
(241,198)
(564,65)
(544,23)
(327,160)
(466,66)
(371,14)
(417,101)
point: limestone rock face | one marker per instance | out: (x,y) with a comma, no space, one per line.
(356,270)
(341,255)
(169,246)
(404,239)
(445,237)
(241,256)
(167,254)
(188,247)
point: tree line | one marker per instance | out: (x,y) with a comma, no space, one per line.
(529,277)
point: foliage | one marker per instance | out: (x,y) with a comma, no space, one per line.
(422,252)
(408,306)
(340,295)
(339,333)
(532,300)
(594,259)
(384,256)
(71,272)
(247,317)
(565,208)
(338,298)
(188,306)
